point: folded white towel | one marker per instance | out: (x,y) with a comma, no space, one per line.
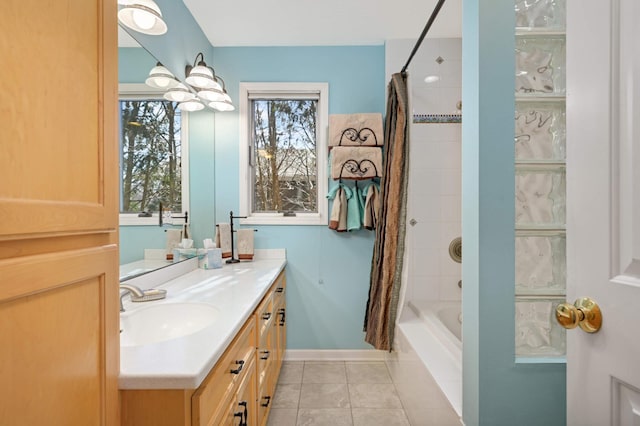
(356,130)
(245,244)
(223,238)
(350,162)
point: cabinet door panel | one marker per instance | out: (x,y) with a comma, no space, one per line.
(58,117)
(58,344)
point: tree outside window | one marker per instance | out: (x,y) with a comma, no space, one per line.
(285,171)
(151,156)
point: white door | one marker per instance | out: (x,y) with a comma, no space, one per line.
(603,208)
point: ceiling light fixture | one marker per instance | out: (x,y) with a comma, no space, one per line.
(143,16)
(161,78)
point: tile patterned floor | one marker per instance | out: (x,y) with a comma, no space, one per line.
(338,393)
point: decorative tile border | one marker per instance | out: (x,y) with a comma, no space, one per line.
(437,118)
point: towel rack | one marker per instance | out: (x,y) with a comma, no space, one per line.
(357,136)
(231,217)
(356,167)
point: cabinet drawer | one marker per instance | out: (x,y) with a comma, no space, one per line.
(279,289)
(246,398)
(264,314)
(221,383)
(266,353)
(240,409)
(265,399)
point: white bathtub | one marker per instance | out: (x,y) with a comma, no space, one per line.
(428,354)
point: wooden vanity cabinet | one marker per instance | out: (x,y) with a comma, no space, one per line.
(224,380)
(241,409)
(238,391)
(268,352)
(280,323)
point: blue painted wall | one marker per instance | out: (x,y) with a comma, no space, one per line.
(327,272)
(134,64)
(496,390)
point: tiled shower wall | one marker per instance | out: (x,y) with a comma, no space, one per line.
(434,206)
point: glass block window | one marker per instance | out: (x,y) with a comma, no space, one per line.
(540,179)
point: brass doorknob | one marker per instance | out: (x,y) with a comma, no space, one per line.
(584,313)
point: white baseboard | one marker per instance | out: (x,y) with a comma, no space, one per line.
(333,355)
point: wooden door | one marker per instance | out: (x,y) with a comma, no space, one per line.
(59,340)
(603,208)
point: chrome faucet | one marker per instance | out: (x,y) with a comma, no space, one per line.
(139,295)
(135,291)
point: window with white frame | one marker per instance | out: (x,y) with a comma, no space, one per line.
(283,154)
(153,156)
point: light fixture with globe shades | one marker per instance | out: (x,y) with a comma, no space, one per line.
(202,86)
(223,104)
(161,78)
(143,16)
(201,76)
(179,93)
(190,106)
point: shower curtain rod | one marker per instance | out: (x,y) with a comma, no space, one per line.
(432,18)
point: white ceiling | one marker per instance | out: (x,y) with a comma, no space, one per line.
(324,22)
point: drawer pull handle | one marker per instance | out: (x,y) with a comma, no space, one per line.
(279,290)
(282,314)
(266,316)
(245,420)
(268,399)
(266,355)
(239,414)
(239,369)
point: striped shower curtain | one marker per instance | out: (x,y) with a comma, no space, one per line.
(388,250)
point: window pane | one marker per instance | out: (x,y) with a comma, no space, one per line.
(284,144)
(151,156)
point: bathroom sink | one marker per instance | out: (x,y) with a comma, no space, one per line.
(161,322)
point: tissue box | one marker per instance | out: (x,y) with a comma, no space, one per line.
(183,254)
(212,259)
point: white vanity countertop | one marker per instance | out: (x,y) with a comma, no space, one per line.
(183,363)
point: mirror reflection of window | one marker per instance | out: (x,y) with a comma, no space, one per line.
(151,156)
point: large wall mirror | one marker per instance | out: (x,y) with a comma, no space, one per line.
(153,143)
(175,49)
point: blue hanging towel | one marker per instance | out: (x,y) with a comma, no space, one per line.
(345,212)
(354,220)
